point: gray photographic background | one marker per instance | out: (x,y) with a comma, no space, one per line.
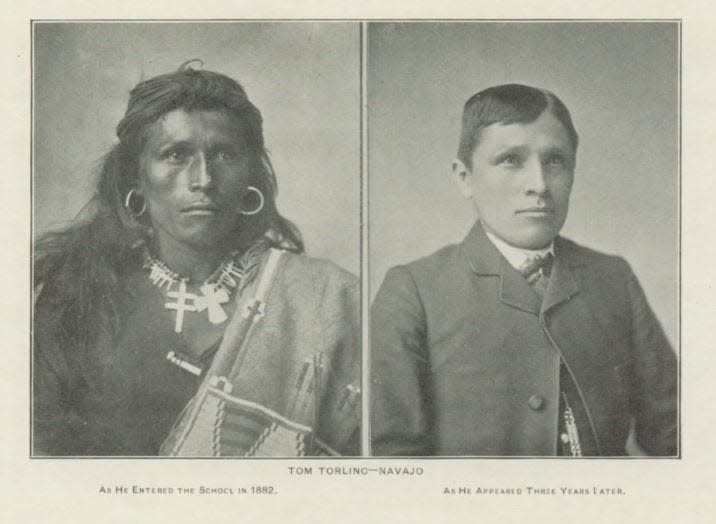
(620,83)
(303,77)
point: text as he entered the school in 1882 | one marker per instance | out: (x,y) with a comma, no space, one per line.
(535,491)
(140,490)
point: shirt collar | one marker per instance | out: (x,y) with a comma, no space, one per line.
(517,256)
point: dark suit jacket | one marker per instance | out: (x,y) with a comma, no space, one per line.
(466,358)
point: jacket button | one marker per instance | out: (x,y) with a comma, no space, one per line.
(536,402)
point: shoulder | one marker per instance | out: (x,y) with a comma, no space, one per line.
(434,261)
(606,281)
(321,293)
(429,267)
(409,286)
(302,267)
(597,261)
(317,277)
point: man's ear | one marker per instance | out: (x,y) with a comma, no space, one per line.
(463,177)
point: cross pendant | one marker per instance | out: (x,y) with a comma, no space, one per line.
(254,310)
(212,300)
(181,304)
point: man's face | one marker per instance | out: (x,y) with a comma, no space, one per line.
(520,180)
(195,169)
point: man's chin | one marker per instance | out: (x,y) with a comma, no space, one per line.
(532,239)
(205,239)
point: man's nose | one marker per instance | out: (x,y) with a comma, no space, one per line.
(199,173)
(536,178)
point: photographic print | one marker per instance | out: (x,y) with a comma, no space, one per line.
(517,324)
(178,311)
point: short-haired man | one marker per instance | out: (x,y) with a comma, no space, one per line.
(518,341)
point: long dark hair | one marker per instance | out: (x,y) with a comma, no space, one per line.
(81,268)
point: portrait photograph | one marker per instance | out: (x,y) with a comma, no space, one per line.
(196,239)
(524,238)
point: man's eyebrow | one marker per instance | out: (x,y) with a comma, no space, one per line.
(558,149)
(170,142)
(225,143)
(509,149)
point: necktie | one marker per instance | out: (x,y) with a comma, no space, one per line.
(536,271)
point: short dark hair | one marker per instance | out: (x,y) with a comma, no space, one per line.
(508,104)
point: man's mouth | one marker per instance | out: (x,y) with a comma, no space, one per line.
(536,211)
(201,208)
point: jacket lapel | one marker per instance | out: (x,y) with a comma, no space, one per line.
(562,283)
(485,260)
(516,291)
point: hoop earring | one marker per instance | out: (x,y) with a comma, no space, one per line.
(128,203)
(261,201)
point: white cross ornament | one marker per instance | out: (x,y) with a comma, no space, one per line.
(212,300)
(181,304)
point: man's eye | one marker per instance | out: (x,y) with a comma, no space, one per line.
(509,160)
(176,156)
(224,156)
(556,160)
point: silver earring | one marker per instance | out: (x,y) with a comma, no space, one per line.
(128,203)
(261,202)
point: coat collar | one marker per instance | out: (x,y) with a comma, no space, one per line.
(563,284)
(486,260)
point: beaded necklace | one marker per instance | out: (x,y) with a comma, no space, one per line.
(234,272)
